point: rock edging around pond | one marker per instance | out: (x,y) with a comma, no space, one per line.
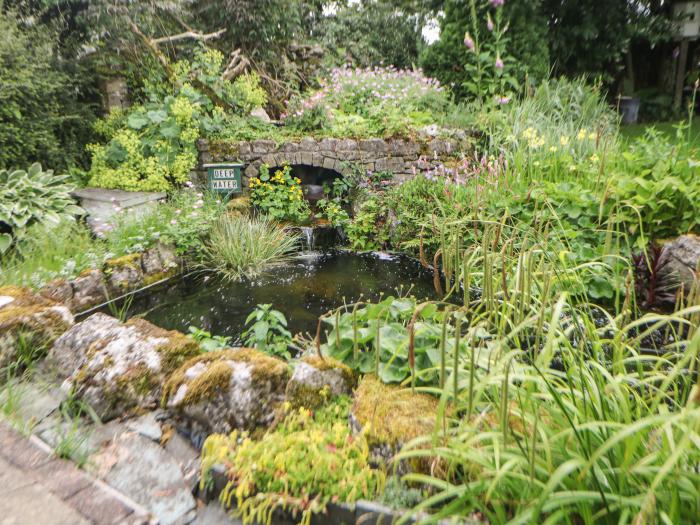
(117,277)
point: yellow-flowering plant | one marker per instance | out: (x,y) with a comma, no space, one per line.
(279,195)
(306,462)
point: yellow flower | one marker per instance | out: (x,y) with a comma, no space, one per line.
(564,140)
(552,149)
(298,180)
(592,135)
(594,158)
(582,134)
(572,168)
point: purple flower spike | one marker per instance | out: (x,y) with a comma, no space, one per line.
(499,63)
(489,22)
(497,3)
(468,41)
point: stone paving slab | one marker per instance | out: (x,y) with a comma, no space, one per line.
(38,488)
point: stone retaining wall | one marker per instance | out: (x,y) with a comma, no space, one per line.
(402,157)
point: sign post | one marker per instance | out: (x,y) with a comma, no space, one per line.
(224,178)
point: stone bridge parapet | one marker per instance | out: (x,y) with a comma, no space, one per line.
(400,156)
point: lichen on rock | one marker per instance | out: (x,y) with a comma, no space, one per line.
(25,316)
(316,380)
(226,390)
(115,366)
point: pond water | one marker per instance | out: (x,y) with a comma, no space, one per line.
(304,289)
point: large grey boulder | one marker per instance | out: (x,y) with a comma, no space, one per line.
(115,366)
(227,390)
(683,259)
(28,319)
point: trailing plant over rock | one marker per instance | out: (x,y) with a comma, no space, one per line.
(305,463)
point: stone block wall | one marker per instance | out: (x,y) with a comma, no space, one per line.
(402,157)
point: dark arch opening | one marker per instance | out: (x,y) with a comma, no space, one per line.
(313,179)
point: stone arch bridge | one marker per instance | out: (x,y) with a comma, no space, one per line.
(400,156)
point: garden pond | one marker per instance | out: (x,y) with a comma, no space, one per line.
(303,289)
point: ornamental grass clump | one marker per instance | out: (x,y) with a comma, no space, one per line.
(246,246)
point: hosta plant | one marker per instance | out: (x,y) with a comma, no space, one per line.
(31,196)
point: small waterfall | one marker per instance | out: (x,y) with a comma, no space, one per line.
(307,235)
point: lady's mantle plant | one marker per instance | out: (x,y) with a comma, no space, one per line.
(153,147)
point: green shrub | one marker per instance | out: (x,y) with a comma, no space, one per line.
(367,229)
(657,186)
(28,197)
(43,114)
(245,246)
(155,151)
(153,146)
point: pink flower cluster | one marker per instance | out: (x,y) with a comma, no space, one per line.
(347,87)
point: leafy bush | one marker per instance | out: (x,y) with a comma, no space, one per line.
(245,246)
(306,462)
(155,150)
(369,102)
(279,196)
(657,187)
(153,146)
(366,231)
(268,331)
(43,108)
(28,197)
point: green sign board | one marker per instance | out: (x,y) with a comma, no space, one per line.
(224,178)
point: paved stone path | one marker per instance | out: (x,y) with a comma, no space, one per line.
(39,489)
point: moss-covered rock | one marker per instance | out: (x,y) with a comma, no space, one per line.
(390,416)
(124,274)
(316,380)
(28,319)
(116,367)
(158,263)
(226,390)
(88,290)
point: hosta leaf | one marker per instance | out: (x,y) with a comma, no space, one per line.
(5,242)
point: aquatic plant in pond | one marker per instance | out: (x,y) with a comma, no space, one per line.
(267,331)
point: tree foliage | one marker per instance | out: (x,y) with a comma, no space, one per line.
(374,32)
(41,115)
